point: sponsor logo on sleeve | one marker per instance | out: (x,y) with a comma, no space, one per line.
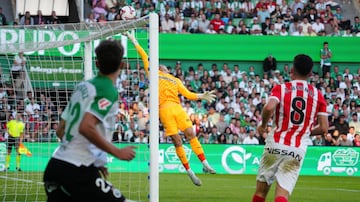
(103,103)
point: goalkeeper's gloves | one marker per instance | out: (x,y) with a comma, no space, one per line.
(209,96)
(131,35)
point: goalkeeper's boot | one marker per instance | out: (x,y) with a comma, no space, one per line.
(193,178)
(208,169)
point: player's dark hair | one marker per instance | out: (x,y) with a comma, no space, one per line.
(303,64)
(109,55)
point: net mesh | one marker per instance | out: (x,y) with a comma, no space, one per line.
(38,83)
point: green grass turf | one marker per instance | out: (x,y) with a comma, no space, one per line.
(27,186)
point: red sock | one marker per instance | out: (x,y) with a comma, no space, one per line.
(201,157)
(186,166)
(257,198)
(280,199)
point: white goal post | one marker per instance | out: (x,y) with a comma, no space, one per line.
(56,60)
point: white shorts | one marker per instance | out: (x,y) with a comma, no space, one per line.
(280,163)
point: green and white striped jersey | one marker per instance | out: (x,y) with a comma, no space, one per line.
(99,97)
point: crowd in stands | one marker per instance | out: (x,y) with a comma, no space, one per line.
(263,17)
(246,17)
(28,19)
(241,93)
(231,119)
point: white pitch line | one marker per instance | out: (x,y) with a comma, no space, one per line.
(314,188)
(329,189)
(21,180)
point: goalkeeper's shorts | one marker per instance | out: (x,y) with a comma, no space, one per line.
(174,118)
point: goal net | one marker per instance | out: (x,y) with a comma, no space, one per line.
(39,68)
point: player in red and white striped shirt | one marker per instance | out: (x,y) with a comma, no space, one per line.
(299,110)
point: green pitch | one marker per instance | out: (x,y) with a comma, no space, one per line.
(178,188)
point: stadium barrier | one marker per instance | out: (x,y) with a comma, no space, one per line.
(226,159)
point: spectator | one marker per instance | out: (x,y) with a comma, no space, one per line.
(167,25)
(269,64)
(341,125)
(297,4)
(2,18)
(310,32)
(255,27)
(244,30)
(278,24)
(293,26)
(39,18)
(305,26)
(179,24)
(99,7)
(299,15)
(193,24)
(32,106)
(214,134)
(318,26)
(53,19)
(112,14)
(312,16)
(344,141)
(27,17)
(355,122)
(90,20)
(229,135)
(262,138)
(356,141)
(251,139)
(356,25)
(221,125)
(319,140)
(102,19)
(351,133)
(221,139)
(263,13)
(204,138)
(247,9)
(203,24)
(343,23)
(329,140)
(217,23)
(265,26)
(283,31)
(17,69)
(276,13)
(325,59)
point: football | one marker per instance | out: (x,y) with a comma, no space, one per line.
(127,13)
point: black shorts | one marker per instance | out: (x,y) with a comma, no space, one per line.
(66,182)
(13,142)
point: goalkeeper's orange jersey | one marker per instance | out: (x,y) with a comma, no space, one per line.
(169,86)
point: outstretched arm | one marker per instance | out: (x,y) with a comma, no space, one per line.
(139,49)
(209,96)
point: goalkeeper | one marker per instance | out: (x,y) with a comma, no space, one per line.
(173,116)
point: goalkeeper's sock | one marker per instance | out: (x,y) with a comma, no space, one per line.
(257,198)
(197,149)
(7,161)
(182,156)
(280,199)
(18,157)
